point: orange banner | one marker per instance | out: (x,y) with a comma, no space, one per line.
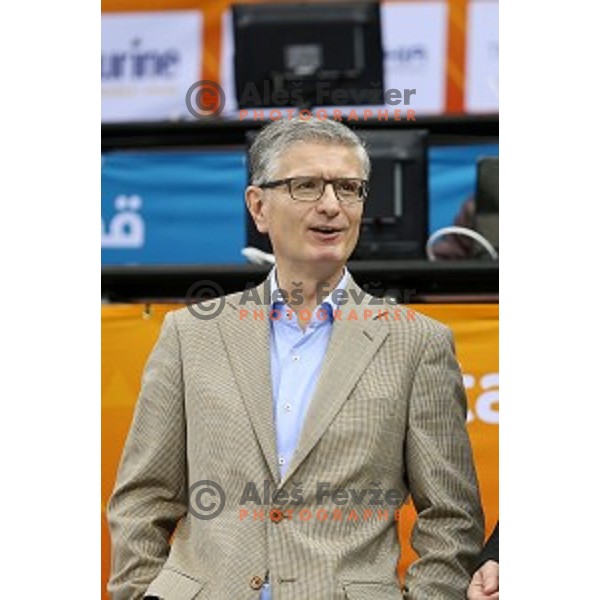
(130,331)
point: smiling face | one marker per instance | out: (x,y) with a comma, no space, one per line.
(296,228)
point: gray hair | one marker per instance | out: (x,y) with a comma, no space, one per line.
(277,137)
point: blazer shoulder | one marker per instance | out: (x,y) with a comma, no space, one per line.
(428,324)
(203,313)
(405,317)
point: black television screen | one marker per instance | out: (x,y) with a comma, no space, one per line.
(396,215)
(308,54)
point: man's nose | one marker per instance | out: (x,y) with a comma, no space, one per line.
(328,202)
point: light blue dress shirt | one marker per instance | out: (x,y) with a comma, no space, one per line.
(296,359)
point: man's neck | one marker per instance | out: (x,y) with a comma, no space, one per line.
(307,289)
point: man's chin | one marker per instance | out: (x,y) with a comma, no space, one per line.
(334,254)
(328,259)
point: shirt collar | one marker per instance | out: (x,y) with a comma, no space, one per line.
(329,303)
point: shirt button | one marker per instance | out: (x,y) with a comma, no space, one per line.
(256,582)
(281,460)
(295,358)
(288,407)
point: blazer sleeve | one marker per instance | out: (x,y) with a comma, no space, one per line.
(150,495)
(448,532)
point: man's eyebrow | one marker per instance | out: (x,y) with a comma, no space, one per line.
(322,176)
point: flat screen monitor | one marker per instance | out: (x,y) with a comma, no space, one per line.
(396,215)
(307,55)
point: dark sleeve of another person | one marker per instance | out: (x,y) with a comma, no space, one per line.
(491,550)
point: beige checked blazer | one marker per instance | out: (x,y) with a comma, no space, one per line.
(388,413)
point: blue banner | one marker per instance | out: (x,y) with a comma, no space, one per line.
(187,207)
(452,179)
(178,207)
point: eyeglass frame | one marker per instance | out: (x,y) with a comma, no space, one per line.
(288,182)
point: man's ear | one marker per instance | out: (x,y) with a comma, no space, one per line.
(256,207)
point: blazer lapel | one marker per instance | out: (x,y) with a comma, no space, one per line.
(247,340)
(352,345)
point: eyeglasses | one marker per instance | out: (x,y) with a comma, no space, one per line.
(348,190)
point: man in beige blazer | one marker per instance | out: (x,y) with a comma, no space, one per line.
(268,454)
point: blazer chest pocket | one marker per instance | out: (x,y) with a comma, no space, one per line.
(372,590)
(174,585)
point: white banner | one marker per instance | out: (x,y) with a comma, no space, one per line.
(149,61)
(414,36)
(481,81)
(227,68)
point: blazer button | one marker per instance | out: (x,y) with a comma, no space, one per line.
(256,582)
(276,515)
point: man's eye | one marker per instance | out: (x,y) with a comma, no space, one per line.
(349,186)
(309,184)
